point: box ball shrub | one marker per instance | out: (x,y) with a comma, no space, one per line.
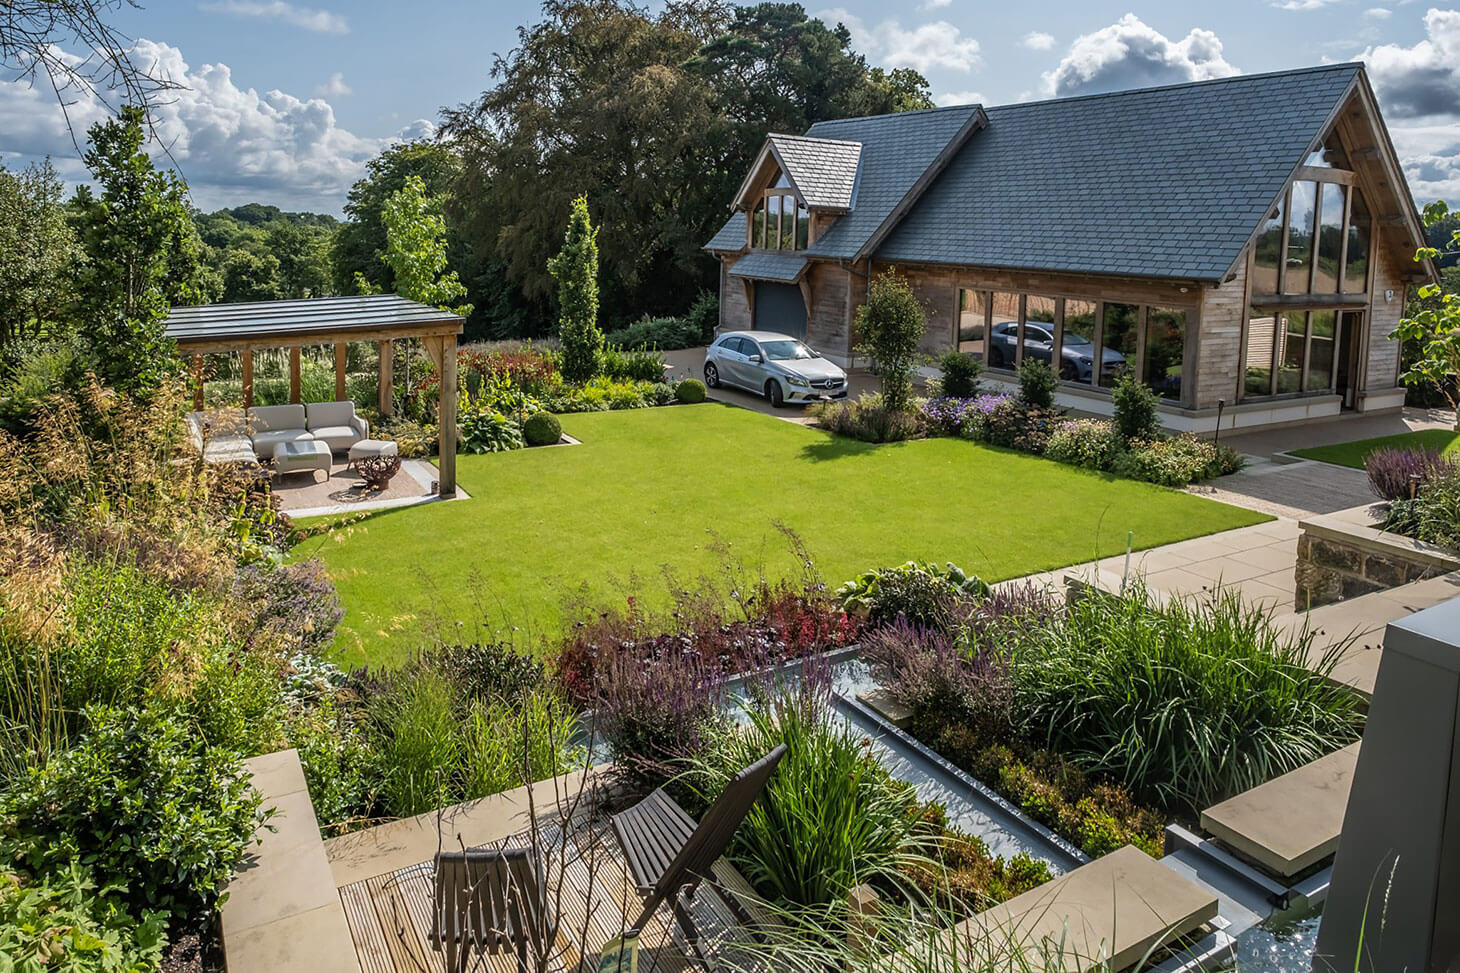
(690,391)
(542,429)
(1037,382)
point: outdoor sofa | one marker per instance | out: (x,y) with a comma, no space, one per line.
(253,435)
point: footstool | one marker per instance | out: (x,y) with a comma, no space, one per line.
(303,455)
(369,448)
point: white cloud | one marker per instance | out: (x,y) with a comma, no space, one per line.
(958,98)
(322,21)
(335,87)
(1378,13)
(1130,54)
(233,144)
(1423,80)
(1430,155)
(1038,40)
(1303,4)
(935,4)
(937,44)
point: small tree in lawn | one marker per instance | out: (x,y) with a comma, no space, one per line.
(575,268)
(889,327)
(415,248)
(1435,328)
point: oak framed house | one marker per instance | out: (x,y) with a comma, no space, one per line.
(1247,241)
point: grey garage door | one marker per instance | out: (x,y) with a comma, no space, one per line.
(778,307)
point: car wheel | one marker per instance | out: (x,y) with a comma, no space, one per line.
(1068,372)
(773,392)
(996,357)
(712,375)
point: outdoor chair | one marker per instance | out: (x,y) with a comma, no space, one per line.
(669,854)
(488,900)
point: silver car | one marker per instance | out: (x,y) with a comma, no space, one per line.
(780,367)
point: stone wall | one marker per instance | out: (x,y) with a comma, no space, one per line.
(1342,556)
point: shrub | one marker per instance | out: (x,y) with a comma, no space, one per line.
(890,324)
(660,393)
(419,747)
(412,439)
(487,671)
(867,418)
(602,394)
(1394,472)
(690,391)
(641,365)
(703,317)
(663,334)
(1135,409)
(921,593)
(830,818)
(1037,382)
(293,602)
(962,869)
(1090,443)
(1185,703)
(141,800)
(484,430)
(1013,424)
(1435,512)
(960,374)
(64,923)
(1175,461)
(575,268)
(542,429)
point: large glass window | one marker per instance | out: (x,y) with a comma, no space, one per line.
(1356,259)
(1077,352)
(1120,330)
(1298,268)
(1165,350)
(1330,238)
(1294,348)
(1004,331)
(1267,253)
(1039,328)
(1322,335)
(972,320)
(1261,345)
(780,222)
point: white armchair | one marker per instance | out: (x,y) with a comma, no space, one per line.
(336,425)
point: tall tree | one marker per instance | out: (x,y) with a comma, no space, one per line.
(575,268)
(143,255)
(889,327)
(360,242)
(38,250)
(1433,330)
(415,248)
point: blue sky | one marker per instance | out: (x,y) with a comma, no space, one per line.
(283,102)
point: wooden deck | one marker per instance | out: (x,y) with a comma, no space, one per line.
(389,915)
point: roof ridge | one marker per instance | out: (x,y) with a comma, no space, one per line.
(895,114)
(811,138)
(1206,82)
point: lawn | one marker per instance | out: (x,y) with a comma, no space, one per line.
(1353,454)
(649,491)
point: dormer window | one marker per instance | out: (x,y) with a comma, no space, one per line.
(780,220)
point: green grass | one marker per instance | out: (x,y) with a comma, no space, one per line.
(1353,454)
(651,489)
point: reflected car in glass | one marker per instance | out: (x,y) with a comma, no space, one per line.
(782,368)
(1076,354)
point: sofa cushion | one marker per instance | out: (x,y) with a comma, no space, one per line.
(229,449)
(269,418)
(264,443)
(337,437)
(323,414)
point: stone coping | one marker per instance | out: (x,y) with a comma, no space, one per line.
(1292,822)
(399,844)
(283,912)
(1356,527)
(1119,908)
(884,704)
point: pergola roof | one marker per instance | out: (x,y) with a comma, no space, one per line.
(318,320)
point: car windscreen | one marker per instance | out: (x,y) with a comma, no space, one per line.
(785,350)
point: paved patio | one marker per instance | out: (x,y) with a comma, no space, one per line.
(311,493)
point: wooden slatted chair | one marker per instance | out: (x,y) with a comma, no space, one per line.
(488,900)
(669,854)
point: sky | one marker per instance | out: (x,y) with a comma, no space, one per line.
(284,102)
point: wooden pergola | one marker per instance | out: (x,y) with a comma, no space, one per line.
(382,318)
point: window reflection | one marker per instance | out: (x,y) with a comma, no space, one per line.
(972,317)
(1330,238)
(1261,344)
(1268,253)
(1298,268)
(1321,344)
(1118,335)
(1004,331)
(1290,360)
(1039,320)
(1356,261)
(1165,350)
(1077,354)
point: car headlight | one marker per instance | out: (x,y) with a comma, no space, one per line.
(797,380)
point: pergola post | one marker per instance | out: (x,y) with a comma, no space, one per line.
(341,353)
(294,374)
(387,377)
(247,358)
(442,349)
(197,383)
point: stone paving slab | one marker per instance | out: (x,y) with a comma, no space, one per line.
(1120,907)
(1292,822)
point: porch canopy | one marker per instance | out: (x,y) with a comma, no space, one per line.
(383,318)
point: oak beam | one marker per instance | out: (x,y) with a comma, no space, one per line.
(387,377)
(294,375)
(197,383)
(443,349)
(341,357)
(246,357)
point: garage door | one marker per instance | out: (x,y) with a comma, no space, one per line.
(778,307)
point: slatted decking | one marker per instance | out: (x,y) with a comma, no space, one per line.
(390,915)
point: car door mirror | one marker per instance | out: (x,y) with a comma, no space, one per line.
(754,359)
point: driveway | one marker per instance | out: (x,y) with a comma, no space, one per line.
(690,363)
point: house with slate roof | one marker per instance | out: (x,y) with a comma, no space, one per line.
(1246,242)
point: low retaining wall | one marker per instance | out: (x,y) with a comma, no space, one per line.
(1344,555)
